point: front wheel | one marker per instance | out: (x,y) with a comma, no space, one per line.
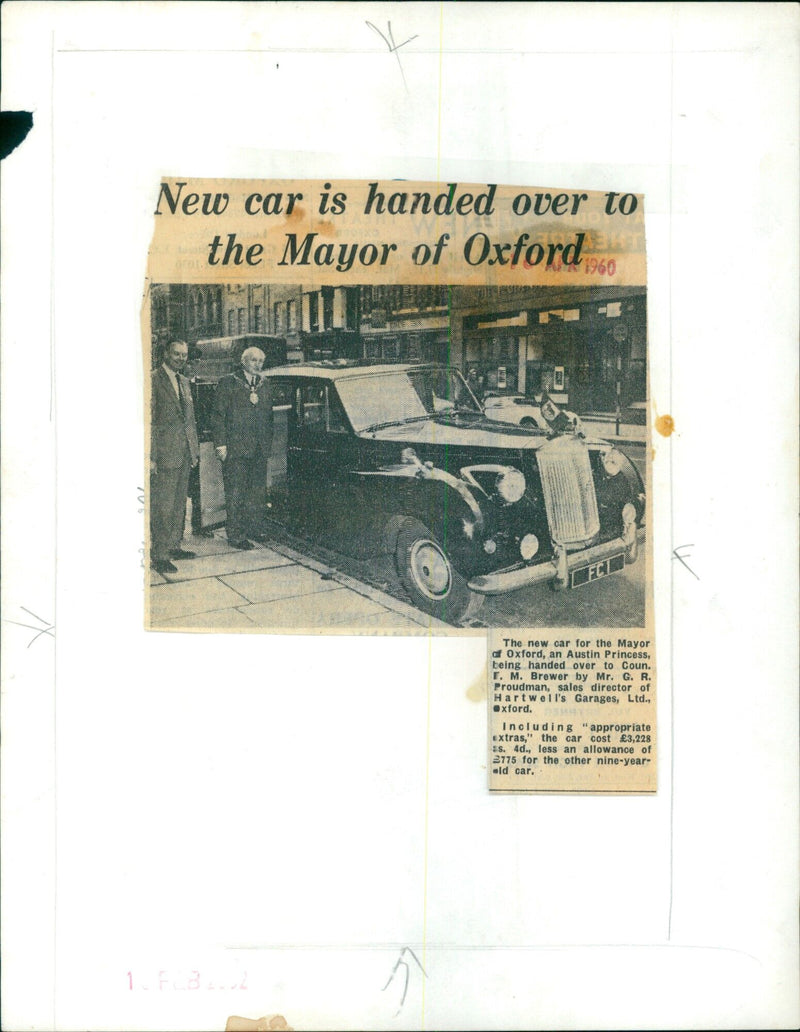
(430,578)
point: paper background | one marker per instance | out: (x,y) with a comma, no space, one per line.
(302,810)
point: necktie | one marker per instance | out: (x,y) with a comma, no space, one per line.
(180,396)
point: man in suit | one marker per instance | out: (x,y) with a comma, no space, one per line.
(242,428)
(174,450)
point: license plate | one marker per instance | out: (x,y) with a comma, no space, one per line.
(594,571)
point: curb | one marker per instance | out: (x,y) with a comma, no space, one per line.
(375,594)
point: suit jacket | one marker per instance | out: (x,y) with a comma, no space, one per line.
(171,428)
(244,428)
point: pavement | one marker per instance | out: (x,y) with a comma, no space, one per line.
(272,587)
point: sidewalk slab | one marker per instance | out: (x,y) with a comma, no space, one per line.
(226,563)
(394,621)
(207,546)
(338,607)
(279,582)
(187,598)
(219,620)
(405,610)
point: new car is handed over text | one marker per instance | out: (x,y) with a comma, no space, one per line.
(402,459)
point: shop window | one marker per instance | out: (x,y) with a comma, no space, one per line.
(413,348)
(231,323)
(351,308)
(560,315)
(257,319)
(240,321)
(327,308)
(313,312)
(291,316)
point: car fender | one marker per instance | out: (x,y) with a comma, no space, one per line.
(437,498)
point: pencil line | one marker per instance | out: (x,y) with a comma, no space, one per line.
(52,416)
(430,636)
(419,51)
(671,500)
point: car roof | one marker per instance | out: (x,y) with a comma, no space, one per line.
(327,371)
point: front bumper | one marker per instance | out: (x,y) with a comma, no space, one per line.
(522,576)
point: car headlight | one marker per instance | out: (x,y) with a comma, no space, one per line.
(529,546)
(510,485)
(628,513)
(612,461)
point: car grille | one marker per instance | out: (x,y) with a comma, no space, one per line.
(568,487)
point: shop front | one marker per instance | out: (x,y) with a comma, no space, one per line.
(430,344)
(329,345)
(588,354)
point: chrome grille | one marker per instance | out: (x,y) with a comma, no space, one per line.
(569,495)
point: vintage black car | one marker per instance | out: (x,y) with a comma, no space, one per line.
(402,459)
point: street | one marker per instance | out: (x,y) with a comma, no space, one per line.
(615,601)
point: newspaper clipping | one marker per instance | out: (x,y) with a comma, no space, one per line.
(414,408)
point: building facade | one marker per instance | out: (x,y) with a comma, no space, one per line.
(405,323)
(195,312)
(183,311)
(587,345)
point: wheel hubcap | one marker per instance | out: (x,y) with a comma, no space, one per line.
(431,569)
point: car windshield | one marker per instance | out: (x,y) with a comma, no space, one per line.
(397,397)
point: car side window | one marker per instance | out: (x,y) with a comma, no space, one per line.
(282,391)
(312,400)
(337,423)
(320,410)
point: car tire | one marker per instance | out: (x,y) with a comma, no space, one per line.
(529,423)
(429,577)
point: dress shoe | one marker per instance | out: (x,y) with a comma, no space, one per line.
(163,566)
(260,538)
(244,544)
(203,532)
(181,553)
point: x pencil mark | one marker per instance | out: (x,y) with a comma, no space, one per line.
(48,628)
(393,47)
(400,962)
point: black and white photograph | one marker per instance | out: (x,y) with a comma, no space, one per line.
(397,458)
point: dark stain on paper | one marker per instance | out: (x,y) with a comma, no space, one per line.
(14,127)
